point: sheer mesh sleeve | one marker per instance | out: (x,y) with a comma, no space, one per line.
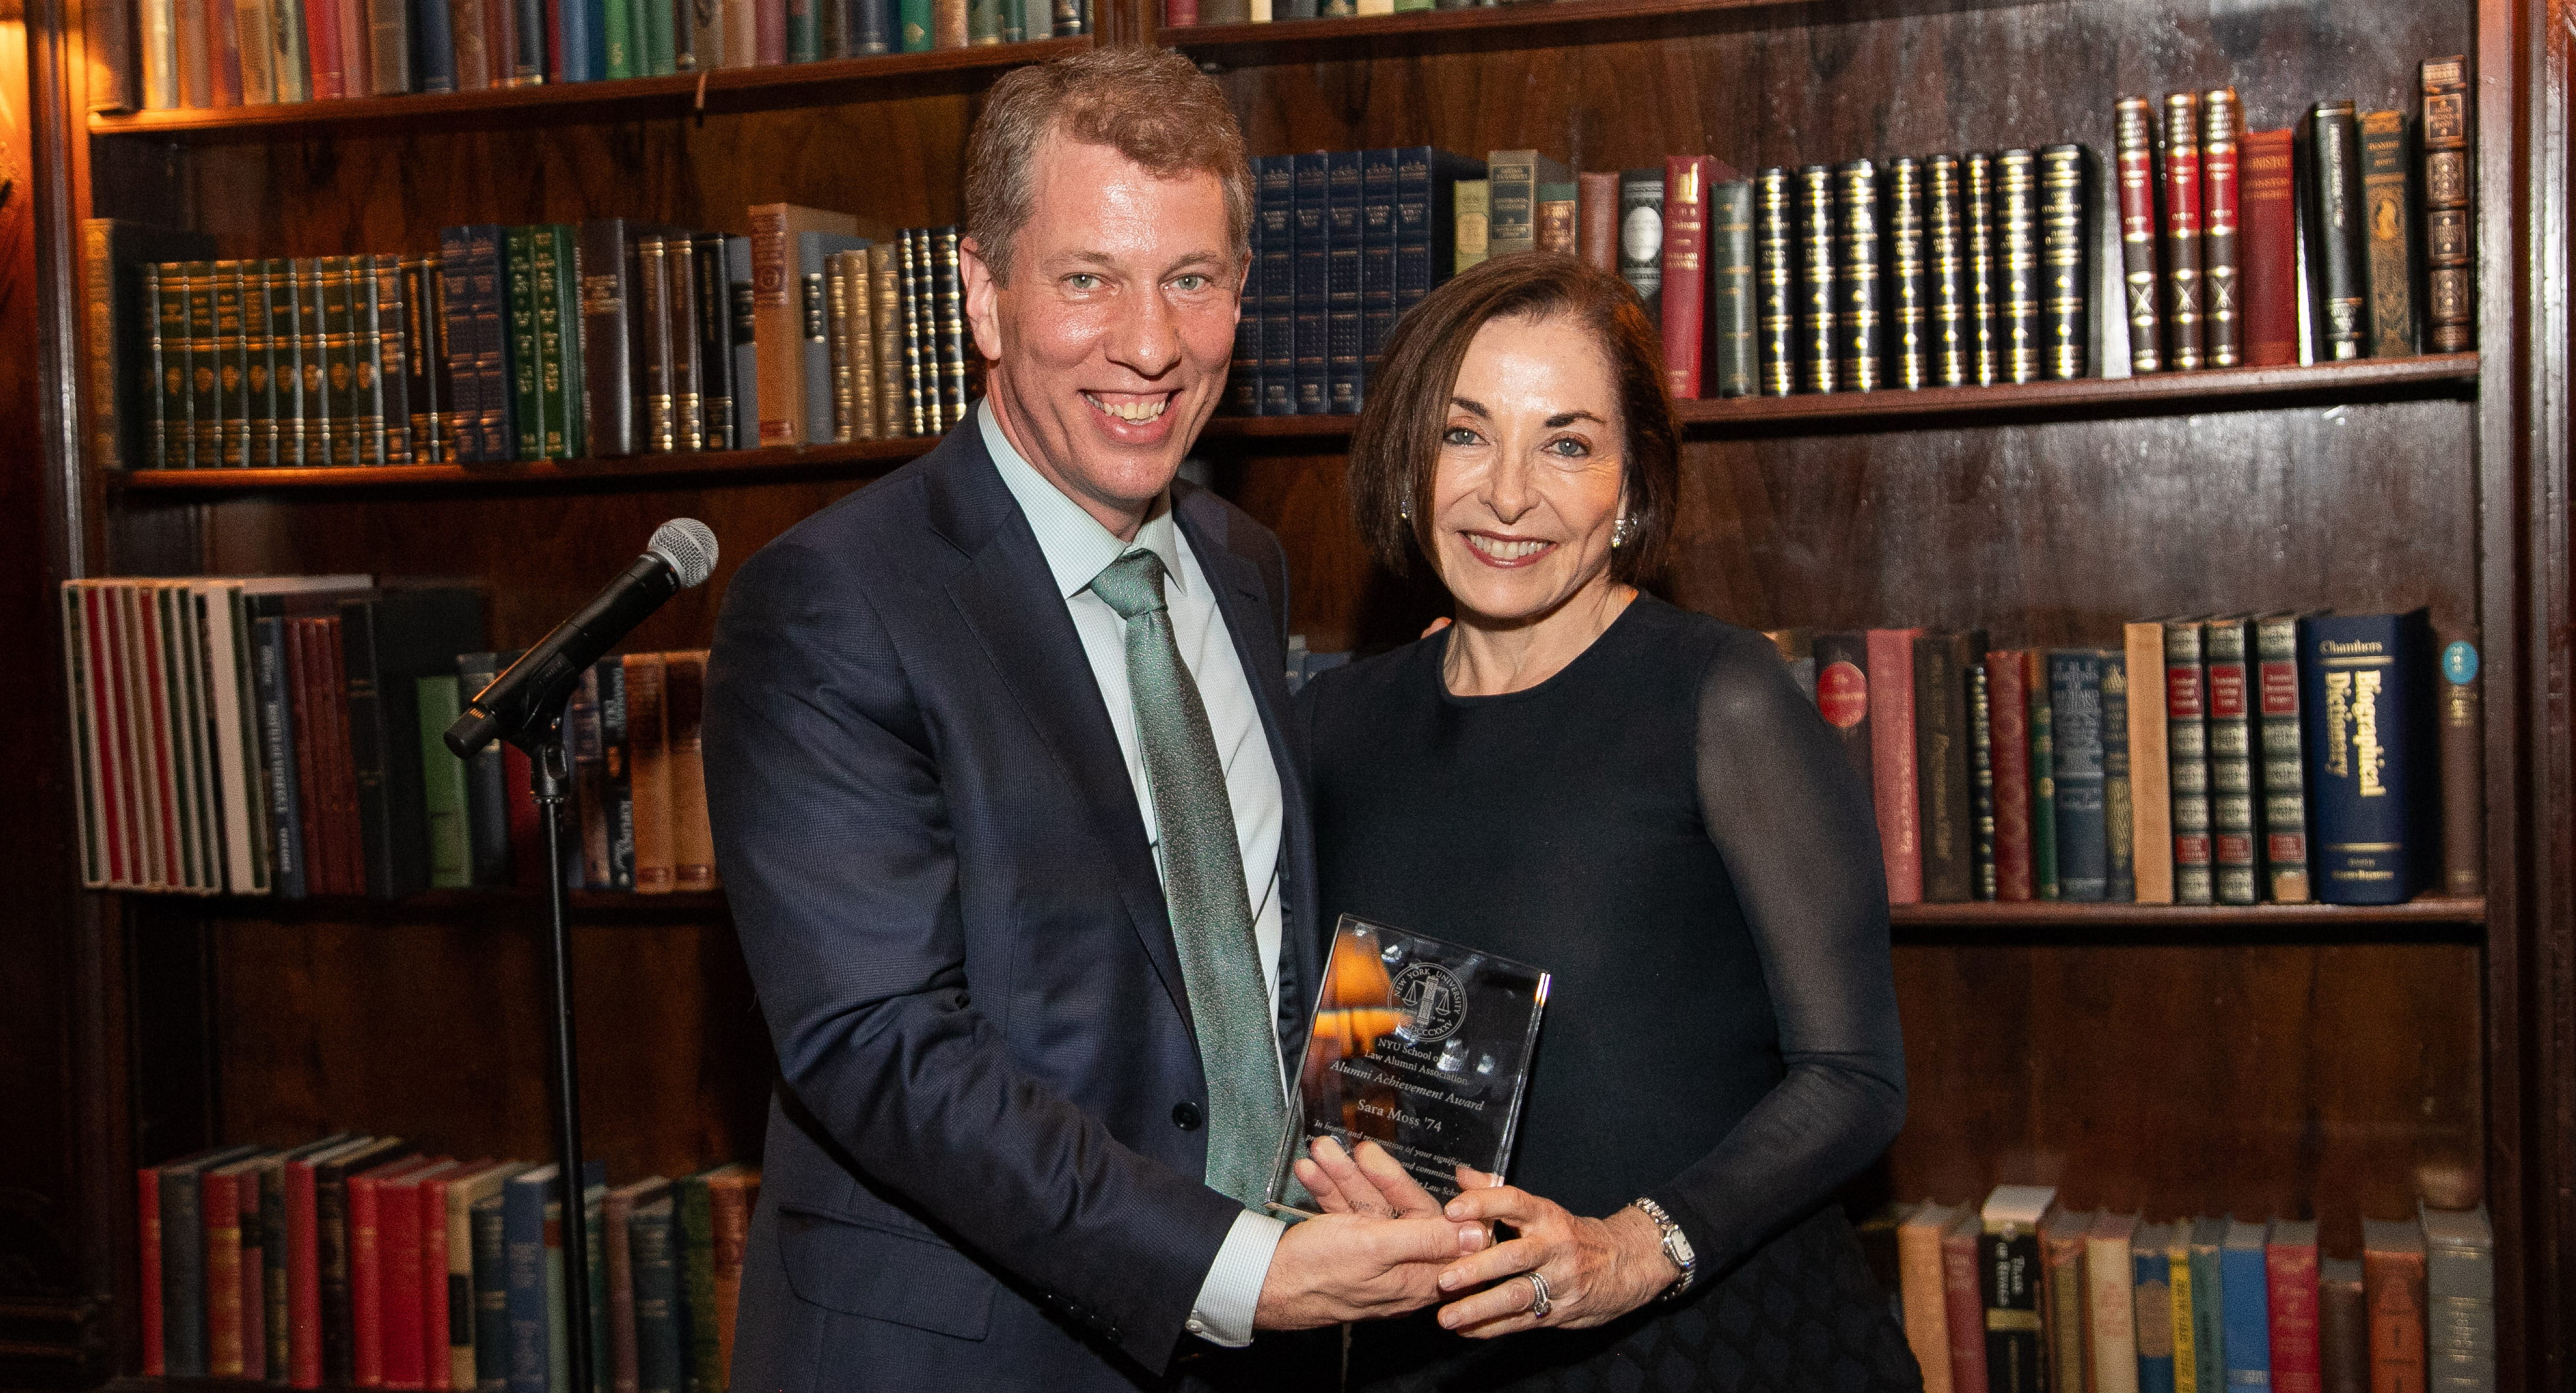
(1789,815)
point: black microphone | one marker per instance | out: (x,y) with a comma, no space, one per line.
(682,554)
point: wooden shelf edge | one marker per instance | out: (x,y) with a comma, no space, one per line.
(1269,42)
(726,86)
(2165,394)
(2424,910)
(441,904)
(815,461)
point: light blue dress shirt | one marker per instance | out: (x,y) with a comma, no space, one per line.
(1077,548)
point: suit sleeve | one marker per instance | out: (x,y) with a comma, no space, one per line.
(834,838)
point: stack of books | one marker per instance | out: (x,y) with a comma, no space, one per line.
(2240,759)
(2017,1296)
(363,1262)
(283,735)
(545,342)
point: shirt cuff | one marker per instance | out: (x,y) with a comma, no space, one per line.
(1232,1293)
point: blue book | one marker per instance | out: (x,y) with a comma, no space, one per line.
(487,1228)
(2152,1286)
(2119,825)
(486,293)
(1342,283)
(1276,178)
(1312,221)
(653,1248)
(456,341)
(1243,373)
(2245,1308)
(2370,740)
(1426,219)
(1377,259)
(874,27)
(529,65)
(746,359)
(434,47)
(2075,704)
(523,1246)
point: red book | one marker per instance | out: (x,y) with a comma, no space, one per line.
(2008,726)
(2183,304)
(224,26)
(304,1271)
(1685,294)
(1179,14)
(1596,219)
(403,1300)
(2290,1269)
(769,32)
(527,831)
(367,1269)
(2267,248)
(434,1357)
(147,1232)
(1891,748)
(2392,1286)
(501,41)
(155,748)
(355,61)
(219,1217)
(1966,1300)
(254,1277)
(322,50)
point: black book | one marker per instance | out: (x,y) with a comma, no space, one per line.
(1819,306)
(650,317)
(392,363)
(2338,246)
(487,791)
(1861,333)
(2178,181)
(1842,698)
(1243,372)
(711,317)
(1310,218)
(1951,353)
(420,357)
(1342,355)
(954,350)
(124,380)
(331,1251)
(2017,255)
(174,432)
(1945,799)
(1732,308)
(1641,228)
(389,642)
(2066,261)
(1776,261)
(1985,271)
(1909,318)
(232,366)
(617,784)
(614,411)
(687,365)
(1275,291)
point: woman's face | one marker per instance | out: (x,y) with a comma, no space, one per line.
(1526,490)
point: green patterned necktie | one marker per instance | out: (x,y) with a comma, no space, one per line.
(1203,885)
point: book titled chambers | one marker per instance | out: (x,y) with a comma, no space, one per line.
(544,342)
(2234,760)
(282,735)
(362,1262)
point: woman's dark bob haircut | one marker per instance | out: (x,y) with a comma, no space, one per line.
(1396,445)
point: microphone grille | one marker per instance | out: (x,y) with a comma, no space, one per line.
(690,546)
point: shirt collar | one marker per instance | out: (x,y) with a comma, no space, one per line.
(1077,548)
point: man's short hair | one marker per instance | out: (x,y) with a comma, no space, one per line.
(1151,105)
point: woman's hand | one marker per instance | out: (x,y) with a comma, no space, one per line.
(1596,1270)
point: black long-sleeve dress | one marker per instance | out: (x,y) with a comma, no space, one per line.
(1666,826)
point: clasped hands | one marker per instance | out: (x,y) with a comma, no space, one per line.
(1383,1246)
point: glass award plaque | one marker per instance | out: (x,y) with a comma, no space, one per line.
(1420,1045)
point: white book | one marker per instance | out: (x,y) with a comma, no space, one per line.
(2110,1314)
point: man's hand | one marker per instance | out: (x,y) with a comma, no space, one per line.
(1339,1267)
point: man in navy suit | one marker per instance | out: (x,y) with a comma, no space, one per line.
(1018,858)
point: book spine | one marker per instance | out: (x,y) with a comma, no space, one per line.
(2075,706)
(2151,1323)
(1981,781)
(276,1288)
(739,323)
(1554,217)
(652,342)
(657,1305)
(693,852)
(1909,289)
(2450,298)
(948,289)
(617,782)
(331,1231)
(1966,1308)
(489,1226)
(1312,220)
(2223,329)
(559,341)
(527,399)
(366,361)
(2061,1310)
(2043,777)
(1378,177)
(232,362)
(370,759)
(464,397)
(1940,758)
(607,327)
(814,343)
(261,327)
(2134,150)
(2463,740)
(2284,760)
(1641,236)
(2009,1277)
(2066,262)
(2362,673)
(2290,1271)
(220,1207)
(2388,210)
(2017,259)
(1512,190)
(1597,218)
(649,769)
(205,367)
(1732,309)
(322,47)
(1819,306)
(388,48)
(1951,352)
(2268,254)
(2234,868)
(1985,269)
(2150,764)
(1775,250)
(694,1213)
(391,346)
(286,316)
(494,385)
(367,1294)
(2338,253)
(729,1200)
(183,1292)
(1860,338)
(717,386)
(148,1275)
(948,23)
(2008,706)
(2187,754)
(1276,266)
(1342,350)
(2187,1300)
(1842,698)
(885,288)
(777,318)
(420,362)
(2185,333)
(1685,279)
(435,1318)
(173,437)
(524,1250)
(1243,370)
(1892,761)
(2244,1304)
(2119,826)
(920,413)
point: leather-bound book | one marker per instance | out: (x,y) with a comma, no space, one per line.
(1731,361)
(1909,318)
(2459,1299)
(1919,1291)
(558,310)
(205,371)
(527,392)
(2075,701)
(1381,177)
(617,780)
(1819,301)
(617,1220)
(712,315)
(2150,771)
(1894,777)
(658,1311)
(688,356)
(1641,235)
(2450,298)
(174,434)
(2011,1276)
(730,1197)
(1776,271)
(2343,1323)
(2267,247)
(2018,294)
(1514,178)
(2338,248)
(1961,1284)
(1951,349)
(651,320)
(885,287)
(121,370)
(649,766)
(2119,825)
(2370,726)
(2134,158)
(231,364)
(957,356)
(2066,262)
(2282,761)
(845,289)
(2464,787)
(333,1236)
(1981,784)
(2187,759)
(1342,356)
(1274,289)
(2227,656)
(588,755)
(1596,216)
(1555,218)
(1842,698)
(2392,1278)
(2062,1297)
(1860,284)
(912,277)
(1941,756)
(1311,217)
(1685,281)
(2388,196)
(2151,1322)
(2290,1275)
(457,340)
(2222,320)
(487,276)
(420,363)
(2043,775)
(1985,269)
(2008,725)
(693,843)
(778,314)
(2184,330)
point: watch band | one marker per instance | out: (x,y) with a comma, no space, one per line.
(1676,1245)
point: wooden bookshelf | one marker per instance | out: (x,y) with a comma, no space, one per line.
(2077,920)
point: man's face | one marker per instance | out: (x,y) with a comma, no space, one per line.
(1110,344)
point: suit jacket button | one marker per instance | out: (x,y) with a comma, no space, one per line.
(1185,1116)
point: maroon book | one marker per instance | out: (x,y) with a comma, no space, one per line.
(1596,212)
(2267,248)
(2008,721)
(2182,232)
(1686,188)
(2222,321)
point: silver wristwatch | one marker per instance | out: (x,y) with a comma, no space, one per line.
(1677,1246)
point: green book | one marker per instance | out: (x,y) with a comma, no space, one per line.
(2208,1337)
(314,423)
(232,364)
(367,358)
(2043,789)
(1514,179)
(272,360)
(443,786)
(656,47)
(1473,205)
(519,282)
(340,365)
(550,255)
(174,438)
(617,33)
(804,35)
(914,17)
(983,21)
(205,402)
(593,1218)
(696,1222)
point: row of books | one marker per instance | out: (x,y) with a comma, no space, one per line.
(524,343)
(2232,760)
(364,1262)
(168,54)
(2018,1296)
(2212,218)
(282,735)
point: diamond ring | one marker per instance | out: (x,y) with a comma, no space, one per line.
(1539,1304)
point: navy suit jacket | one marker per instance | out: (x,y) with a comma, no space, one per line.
(983,1165)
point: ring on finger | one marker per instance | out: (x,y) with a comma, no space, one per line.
(1539,1305)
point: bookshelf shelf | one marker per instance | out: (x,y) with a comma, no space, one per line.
(721,89)
(2425,911)
(819,461)
(1302,40)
